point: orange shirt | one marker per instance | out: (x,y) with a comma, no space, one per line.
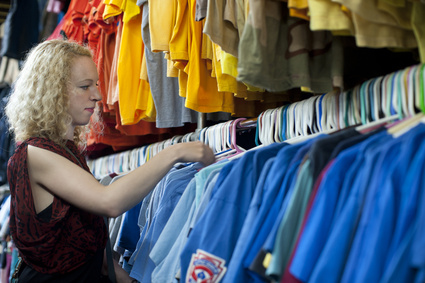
(72,25)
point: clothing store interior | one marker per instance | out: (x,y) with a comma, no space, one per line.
(304,103)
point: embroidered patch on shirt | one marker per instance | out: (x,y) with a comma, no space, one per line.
(205,267)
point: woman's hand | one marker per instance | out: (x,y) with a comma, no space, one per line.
(193,152)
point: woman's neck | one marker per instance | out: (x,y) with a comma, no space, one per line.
(70,133)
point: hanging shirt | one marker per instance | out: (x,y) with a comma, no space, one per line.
(381,26)
(211,242)
(165,254)
(201,90)
(220,25)
(129,231)
(206,194)
(381,210)
(254,207)
(105,64)
(318,157)
(225,82)
(329,15)
(179,43)
(266,204)
(290,223)
(171,231)
(332,258)
(299,9)
(319,220)
(162,16)
(112,94)
(201,10)
(170,109)
(287,208)
(271,239)
(322,149)
(73,26)
(287,277)
(21,28)
(113,8)
(202,177)
(175,184)
(297,63)
(135,99)
(405,261)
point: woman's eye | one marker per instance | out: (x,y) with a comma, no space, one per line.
(85,87)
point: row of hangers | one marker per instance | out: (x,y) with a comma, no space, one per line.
(396,96)
(220,137)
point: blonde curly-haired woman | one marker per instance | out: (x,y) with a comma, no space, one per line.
(57,206)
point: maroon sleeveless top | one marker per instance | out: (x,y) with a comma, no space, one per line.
(70,238)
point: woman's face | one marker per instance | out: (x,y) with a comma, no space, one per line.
(83,92)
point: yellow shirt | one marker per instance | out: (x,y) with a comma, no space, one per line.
(225,82)
(202,94)
(135,98)
(162,18)
(113,8)
(178,44)
(328,15)
(298,9)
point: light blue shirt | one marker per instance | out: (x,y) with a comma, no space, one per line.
(165,253)
(174,184)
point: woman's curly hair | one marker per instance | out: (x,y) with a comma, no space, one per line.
(38,103)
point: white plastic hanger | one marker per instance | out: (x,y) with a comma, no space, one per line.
(356,105)
(403,80)
(377,98)
(278,125)
(411,90)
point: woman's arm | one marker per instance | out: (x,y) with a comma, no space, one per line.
(52,174)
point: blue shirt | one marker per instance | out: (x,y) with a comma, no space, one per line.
(418,242)
(174,183)
(263,208)
(283,202)
(167,260)
(253,210)
(202,176)
(270,241)
(319,220)
(175,224)
(291,223)
(405,260)
(330,264)
(129,230)
(211,242)
(381,209)
(405,252)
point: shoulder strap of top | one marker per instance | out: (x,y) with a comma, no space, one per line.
(70,152)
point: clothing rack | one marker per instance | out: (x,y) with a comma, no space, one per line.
(395,96)
(311,208)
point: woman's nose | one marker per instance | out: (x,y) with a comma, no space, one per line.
(96,95)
